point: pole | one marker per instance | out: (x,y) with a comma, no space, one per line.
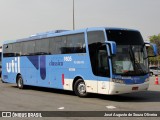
(73,16)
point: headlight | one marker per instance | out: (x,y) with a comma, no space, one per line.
(118,81)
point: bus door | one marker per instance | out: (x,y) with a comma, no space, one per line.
(103,71)
(99,60)
(100,67)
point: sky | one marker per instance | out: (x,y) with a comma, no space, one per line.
(22,18)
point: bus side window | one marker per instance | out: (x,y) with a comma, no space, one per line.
(42,47)
(76,43)
(57,45)
(17,49)
(8,50)
(51,46)
(28,48)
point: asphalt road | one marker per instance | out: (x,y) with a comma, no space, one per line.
(42,99)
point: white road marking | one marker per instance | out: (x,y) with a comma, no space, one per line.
(110,107)
(61,108)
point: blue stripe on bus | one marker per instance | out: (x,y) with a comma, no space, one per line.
(43,67)
(34,60)
(129,80)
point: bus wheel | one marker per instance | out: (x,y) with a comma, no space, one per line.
(80,88)
(20,82)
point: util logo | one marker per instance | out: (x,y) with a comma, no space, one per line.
(13,66)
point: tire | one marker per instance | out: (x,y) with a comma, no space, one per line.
(20,84)
(2,80)
(80,88)
(151,73)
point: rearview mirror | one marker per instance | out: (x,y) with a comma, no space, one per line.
(113,47)
(151,49)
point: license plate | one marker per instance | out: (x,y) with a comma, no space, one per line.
(134,88)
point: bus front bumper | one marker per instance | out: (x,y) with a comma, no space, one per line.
(116,88)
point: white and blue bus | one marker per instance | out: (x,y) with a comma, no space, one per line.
(92,60)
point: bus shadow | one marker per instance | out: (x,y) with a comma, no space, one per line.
(147,96)
(48,90)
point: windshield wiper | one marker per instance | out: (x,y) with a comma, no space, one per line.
(136,64)
(132,57)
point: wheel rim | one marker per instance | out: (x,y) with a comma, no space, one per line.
(81,88)
(20,82)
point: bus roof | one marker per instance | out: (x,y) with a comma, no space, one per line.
(63,32)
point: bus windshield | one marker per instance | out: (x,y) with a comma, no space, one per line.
(131,58)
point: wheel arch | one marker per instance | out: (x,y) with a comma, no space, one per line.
(17,77)
(75,79)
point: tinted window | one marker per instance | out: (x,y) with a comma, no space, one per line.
(42,47)
(63,45)
(124,37)
(51,46)
(96,37)
(67,44)
(8,51)
(0,56)
(75,44)
(28,48)
(16,49)
(56,45)
(154,68)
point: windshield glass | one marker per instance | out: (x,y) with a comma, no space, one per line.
(131,57)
